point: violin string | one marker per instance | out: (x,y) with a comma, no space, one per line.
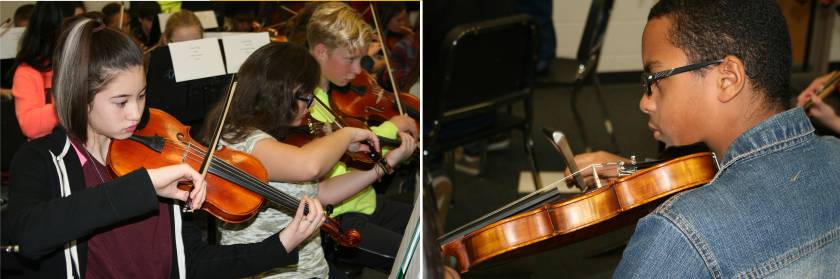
(269,193)
(260,187)
(196,154)
(495,215)
(281,197)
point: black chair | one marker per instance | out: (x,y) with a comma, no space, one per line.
(488,67)
(582,70)
(12,139)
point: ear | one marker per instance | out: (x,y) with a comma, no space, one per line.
(731,78)
(320,52)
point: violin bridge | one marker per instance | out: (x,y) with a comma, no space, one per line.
(595,175)
(186,152)
(374,109)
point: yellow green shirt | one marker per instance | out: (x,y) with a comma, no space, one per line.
(169,7)
(365,200)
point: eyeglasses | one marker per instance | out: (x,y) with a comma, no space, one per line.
(306,98)
(649,78)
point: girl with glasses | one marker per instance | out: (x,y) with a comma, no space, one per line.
(273,95)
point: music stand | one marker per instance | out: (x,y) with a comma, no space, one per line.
(188,101)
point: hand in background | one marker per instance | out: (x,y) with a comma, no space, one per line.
(584,160)
(359,139)
(404,151)
(812,88)
(819,110)
(405,124)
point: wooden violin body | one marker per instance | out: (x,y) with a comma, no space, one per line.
(230,202)
(236,182)
(273,33)
(364,99)
(589,214)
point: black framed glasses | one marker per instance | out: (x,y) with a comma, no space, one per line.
(306,98)
(649,78)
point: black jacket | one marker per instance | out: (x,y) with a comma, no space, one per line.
(41,222)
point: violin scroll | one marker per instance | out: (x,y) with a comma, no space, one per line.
(350,238)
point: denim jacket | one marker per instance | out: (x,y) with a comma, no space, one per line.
(773,210)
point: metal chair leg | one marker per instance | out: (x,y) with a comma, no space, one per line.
(532,158)
(608,125)
(579,119)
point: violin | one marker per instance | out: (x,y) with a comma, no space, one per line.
(312,129)
(364,99)
(273,33)
(395,37)
(236,181)
(540,221)
(370,101)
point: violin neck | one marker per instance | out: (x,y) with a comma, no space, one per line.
(540,197)
(383,141)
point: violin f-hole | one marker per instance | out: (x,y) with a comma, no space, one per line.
(369,109)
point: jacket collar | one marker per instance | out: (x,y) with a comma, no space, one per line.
(782,130)
(56,140)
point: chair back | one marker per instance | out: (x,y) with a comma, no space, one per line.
(488,67)
(589,50)
(485,64)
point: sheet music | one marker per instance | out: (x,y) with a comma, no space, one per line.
(196,59)
(239,47)
(222,34)
(9,41)
(163,18)
(207,18)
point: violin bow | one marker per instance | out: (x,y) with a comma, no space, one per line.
(217,132)
(287,9)
(284,8)
(122,11)
(387,63)
(825,89)
(324,109)
(6,26)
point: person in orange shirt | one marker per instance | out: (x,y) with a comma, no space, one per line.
(32,82)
